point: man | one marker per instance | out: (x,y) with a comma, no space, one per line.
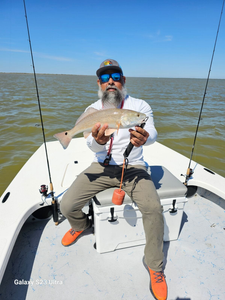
(108,160)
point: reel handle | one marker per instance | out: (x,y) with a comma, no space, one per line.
(130,145)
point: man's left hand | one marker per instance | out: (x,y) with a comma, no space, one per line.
(139,136)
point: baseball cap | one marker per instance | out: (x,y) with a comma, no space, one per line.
(109,64)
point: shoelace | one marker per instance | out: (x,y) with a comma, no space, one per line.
(72,231)
(159,277)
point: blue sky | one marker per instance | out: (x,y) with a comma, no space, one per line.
(160,38)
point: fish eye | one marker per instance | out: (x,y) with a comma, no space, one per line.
(138,115)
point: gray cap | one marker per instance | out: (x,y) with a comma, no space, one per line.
(109,64)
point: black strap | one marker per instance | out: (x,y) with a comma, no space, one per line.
(131,146)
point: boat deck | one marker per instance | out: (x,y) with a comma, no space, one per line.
(41,268)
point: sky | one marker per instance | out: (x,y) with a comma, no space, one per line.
(149,38)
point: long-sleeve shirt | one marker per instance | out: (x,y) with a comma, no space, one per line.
(122,138)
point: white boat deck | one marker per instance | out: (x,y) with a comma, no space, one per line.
(194,264)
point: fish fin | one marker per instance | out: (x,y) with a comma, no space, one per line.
(64,138)
(118,127)
(109,131)
(86,134)
(89,111)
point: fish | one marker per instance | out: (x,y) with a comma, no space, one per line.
(115,118)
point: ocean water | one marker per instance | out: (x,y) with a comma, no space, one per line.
(175,102)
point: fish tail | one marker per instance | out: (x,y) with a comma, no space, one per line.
(64,138)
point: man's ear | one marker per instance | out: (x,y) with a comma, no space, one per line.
(98,82)
(124,79)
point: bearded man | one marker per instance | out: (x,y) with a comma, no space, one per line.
(108,161)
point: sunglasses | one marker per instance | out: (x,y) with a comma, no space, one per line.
(115,77)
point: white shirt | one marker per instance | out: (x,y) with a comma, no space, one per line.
(122,138)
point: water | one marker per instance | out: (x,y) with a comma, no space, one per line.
(175,102)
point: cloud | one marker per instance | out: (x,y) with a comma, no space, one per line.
(13,50)
(158,38)
(58,58)
(102,54)
(168,38)
(149,36)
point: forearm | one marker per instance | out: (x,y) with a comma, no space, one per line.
(152,135)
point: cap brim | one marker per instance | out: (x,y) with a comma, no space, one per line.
(103,69)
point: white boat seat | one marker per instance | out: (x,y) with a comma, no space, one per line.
(121,226)
(167,186)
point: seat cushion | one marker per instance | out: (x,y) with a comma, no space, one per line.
(167,186)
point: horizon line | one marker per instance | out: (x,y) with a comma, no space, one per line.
(156,77)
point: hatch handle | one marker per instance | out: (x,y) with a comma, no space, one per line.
(173,210)
(112,215)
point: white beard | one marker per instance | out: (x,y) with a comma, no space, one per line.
(112,98)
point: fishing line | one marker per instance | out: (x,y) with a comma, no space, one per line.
(54,201)
(189,170)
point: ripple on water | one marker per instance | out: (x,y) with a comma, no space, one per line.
(175,102)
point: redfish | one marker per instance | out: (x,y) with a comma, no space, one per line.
(115,118)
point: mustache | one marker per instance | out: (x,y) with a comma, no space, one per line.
(112,87)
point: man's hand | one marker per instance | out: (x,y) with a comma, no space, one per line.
(138,137)
(99,133)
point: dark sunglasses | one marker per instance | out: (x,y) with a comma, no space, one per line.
(115,77)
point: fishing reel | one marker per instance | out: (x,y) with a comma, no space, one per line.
(44,190)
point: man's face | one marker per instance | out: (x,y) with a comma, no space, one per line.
(112,92)
(111,82)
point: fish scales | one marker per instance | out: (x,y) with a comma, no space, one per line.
(114,117)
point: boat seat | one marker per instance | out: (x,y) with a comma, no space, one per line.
(166,184)
(121,226)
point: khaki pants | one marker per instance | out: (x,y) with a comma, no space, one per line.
(140,188)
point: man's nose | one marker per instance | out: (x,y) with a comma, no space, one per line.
(110,81)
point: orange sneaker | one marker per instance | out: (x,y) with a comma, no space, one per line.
(158,284)
(70,237)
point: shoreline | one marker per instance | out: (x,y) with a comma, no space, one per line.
(50,74)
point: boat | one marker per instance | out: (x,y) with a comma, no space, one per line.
(34,264)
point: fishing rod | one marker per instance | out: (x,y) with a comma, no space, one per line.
(54,200)
(189,170)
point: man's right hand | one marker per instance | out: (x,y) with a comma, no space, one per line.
(99,133)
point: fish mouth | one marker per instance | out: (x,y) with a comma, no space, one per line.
(144,120)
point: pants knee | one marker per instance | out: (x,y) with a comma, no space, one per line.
(65,207)
(152,207)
